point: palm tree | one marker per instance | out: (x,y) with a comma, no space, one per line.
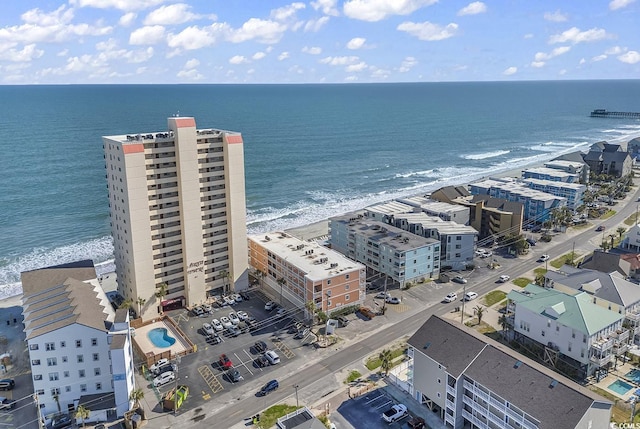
(261,275)
(281,281)
(503,321)
(621,230)
(612,237)
(311,308)
(479,312)
(161,291)
(82,413)
(226,279)
(386,360)
(141,302)
(126,304)
(56,398)
(136,395)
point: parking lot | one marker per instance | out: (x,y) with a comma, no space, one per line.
(366,411)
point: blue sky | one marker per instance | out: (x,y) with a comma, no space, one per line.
(317,41)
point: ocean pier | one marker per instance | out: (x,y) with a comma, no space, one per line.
(603,113)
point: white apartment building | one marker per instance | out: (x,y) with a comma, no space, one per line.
(79,347)
(448,212)
(472,381)
(301,271)
(178,213)
(570,328)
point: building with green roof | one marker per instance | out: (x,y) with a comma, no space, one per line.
(567,329)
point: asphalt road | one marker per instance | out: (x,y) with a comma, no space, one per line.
(586,240)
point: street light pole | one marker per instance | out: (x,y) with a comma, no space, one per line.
(296,387)
(464,299)
(175,392)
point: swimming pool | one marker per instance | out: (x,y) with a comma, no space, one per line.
(634,375)
(620,387)
(161,338)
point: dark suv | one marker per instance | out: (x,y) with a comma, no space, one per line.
(268,388)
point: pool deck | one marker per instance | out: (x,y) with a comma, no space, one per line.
(619,374)
(145,344)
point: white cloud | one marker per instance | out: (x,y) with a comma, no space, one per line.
(556,16)
(631,57)
(127,19)
(615,50)
(510,71)
(63,53)
(191,64)
(356,43)
(543,56)
(528,36)
(287,12)
(314,26)
(314,50)
(340,61)
(582,61)
(407,64)
(147,35)
(473,9)
(238,59)
(574,35)
(599,58)
(355,68)
(283,56)
(377,10)
(28,53)
(378,73)
(258,56)
(62,15)
(619,4)
(191,74)
(328,7)
(172,14)
(191,38)
(428,31)
(537,64)
(263,31)
(351,79)
(125,5)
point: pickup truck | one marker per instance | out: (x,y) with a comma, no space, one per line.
(394,413)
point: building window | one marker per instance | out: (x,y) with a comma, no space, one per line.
(67,388)
(346,297)
(80,358)
(78,343)
(346,276)
(64,358)
(65,374)
(35,362)
(37,377)
(98,386)
(543,333)
(53,376)
(33,347)
(63,344)
(584,338)
(83,387)
(329,281)
(52,361)
(81,373)
(50,347)
(346,287)
(557,328)
(96,357)
(569,348)
(40,392)
(94,341)
(55,391)
(96,371)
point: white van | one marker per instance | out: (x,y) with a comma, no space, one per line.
(470,296)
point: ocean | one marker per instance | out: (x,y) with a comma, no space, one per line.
(311,151)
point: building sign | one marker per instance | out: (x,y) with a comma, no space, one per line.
(119,377)
(195,267)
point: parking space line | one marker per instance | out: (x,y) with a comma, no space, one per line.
(251,359)
(386,404)
(282,347)
(243,363)
(210,378)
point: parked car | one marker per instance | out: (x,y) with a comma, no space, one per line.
(245,295)
(214,339)
(451,297)
(233,331)
(281,312)
(7,384)
(229,300)
(367,313)
(503,279)
(271,386)
(383,295)
(600,228)
(392,300)
(158,364)
(270,305)
(165,368)
(207,308)
(416,423)
(459,279)
(396,412)
(531,241)
(469,296)
(226,322)
(234,318)
(225,362)
(5,403)
(343,321)
(302,333)
(261,361)
(197,311)
(543,258)
(260,346)
(164,378)
(242,315)
(61,421)
(272,357)
(234,375)
(217,325)
(208,329)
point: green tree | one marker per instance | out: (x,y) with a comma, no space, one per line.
(621,230)
(504,322)
(126,304)
(479,312)
(281,281)
(226,279)
(311,308)
(162,290)
(386,360)
(136,395)
(141,302)
(82,413)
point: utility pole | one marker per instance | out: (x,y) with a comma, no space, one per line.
(464,299)
(296,387)
(573,252)
(175,393)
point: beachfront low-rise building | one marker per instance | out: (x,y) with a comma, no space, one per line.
(472,381)
(298,271)
(445,211)
(537,204)
(573,192)
(178,214)
(548,173)
(567,330)
(385,249)
(609,158)
(79,347)
(572,162)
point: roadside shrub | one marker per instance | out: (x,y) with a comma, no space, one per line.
(343,311)
(353,376)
